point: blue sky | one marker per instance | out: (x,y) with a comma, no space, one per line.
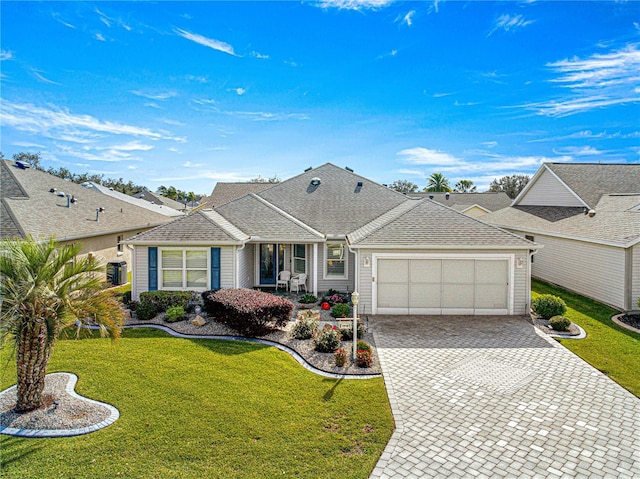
(190,93)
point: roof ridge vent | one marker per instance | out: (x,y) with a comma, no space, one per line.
(309,169)
(348,169)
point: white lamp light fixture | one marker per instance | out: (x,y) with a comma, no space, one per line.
(355,297)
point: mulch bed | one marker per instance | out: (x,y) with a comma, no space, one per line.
(631,319)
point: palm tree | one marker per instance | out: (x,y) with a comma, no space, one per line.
(465,186)
(44,289)
(437,183)
(191,196)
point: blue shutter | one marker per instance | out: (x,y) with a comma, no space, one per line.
(153,268)
(215,268)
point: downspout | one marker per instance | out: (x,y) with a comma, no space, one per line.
(315,269)
(532,252)
(356,280)
(237,260)
(134,288)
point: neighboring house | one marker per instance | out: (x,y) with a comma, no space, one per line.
(475,205)
(587,217)
(142,203)
(224,192)
(403,255)
(157,199)
(70,213)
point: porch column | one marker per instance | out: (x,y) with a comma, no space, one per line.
(315,269)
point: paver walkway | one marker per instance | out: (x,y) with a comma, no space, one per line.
(489,397)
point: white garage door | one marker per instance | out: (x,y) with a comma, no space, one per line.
(442,286)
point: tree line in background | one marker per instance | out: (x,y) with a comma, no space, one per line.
(512,185)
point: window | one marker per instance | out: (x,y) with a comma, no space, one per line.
(299,258)
(335,261)
(184,269)
(119,245)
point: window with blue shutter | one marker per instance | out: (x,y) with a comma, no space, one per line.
(215,268)
(153,268)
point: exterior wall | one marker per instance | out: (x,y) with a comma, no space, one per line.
(337,284)
(521,290)
(635,281)
(227,266)
(548,191)
(593,270)
(475,212)
(245,266)
(105,248)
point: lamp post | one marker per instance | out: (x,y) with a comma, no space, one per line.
(355,297)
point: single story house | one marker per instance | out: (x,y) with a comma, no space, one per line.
(587,217)
(475,205)
(36,203)
(344,232)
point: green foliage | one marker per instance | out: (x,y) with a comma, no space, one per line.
(404,186)
(146,310)
(304,328)
(340,357)
(560,323)
(364,358)
(548,305)
(174,314)
(437,182)
(165,299)
(308,299)
(363,345)
(465,186)
(347,334)
(341,310)
(327,339)
(511,185)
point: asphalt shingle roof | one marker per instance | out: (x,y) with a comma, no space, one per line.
(490,200)
(224,192)
(142,203)
(157,199)
(338,205)
(592,180)
(425,223)
(34,210)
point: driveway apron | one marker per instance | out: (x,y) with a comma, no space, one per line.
(491,397)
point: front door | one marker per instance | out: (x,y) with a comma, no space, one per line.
(271,262)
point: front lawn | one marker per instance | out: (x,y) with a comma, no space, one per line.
(205,408)
(613,350)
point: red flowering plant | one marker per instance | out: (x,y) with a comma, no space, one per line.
(340,357)
(364,358)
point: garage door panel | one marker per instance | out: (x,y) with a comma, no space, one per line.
(393,295)
(393,270)
(494,272)
(457,296)
(491,296)
(424,295)
(425,270)
(458,270)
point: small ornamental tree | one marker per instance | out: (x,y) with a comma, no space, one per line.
(45,288)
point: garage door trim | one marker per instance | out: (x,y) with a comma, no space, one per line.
(509,257)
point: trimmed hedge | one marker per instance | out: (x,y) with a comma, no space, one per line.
(547,306)
(146,311)
(163,300)
(174,314)
(250,312)
(560,323)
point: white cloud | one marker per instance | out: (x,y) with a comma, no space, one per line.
(598,81)
(240,91)
(425,156)
(5,55)
(131,146)
(490,144)
(161,95)
(579,151)
(100,37)
(259,55)
(188,164)
(354,4)
(37,74)
(207,42)
(440,95)
(509,23)
(406,19)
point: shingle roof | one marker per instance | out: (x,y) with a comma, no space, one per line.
(592,180)
(427,224)
(489,200)
(258,218)
(224,192)
(336,206)
(204,226)
(34,210)
(614,221)
(157,199)
(157,208)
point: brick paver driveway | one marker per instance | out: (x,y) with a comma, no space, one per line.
(489,397)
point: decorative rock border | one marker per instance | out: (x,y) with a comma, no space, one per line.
(615,319)
(69,389)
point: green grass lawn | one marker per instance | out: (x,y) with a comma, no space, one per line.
(205,408)
(613,350)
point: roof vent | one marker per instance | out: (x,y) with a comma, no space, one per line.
(60,194)
(53,190)
(348,169)
(22,165)
(359,184)
(592,213)
(446,196)
(430,197)
(315,181)
(309,169)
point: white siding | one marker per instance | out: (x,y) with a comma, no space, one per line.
(337,284)
(590,269)
(141,272)
(635,282)
(549,191)
(365,285)
(246,266)
(227,266)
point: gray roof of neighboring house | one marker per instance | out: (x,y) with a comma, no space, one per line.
(260,219)
(489,200)
(157,199)
(338,205)
(141,202)
(424,223)
(615,220)
(29,208)
(224,192)
(204,226)
(592,180)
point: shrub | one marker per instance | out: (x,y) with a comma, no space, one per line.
(163,300)
(308,299)
(337,298)
(548,306)
(133,304)
(341,310)
(364,358)
(174,314)
(332,292)
(327,339)
(304,328)
(250,312)
(146,310)
(363,346)
(340,357)
(560,323)
(347,334)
